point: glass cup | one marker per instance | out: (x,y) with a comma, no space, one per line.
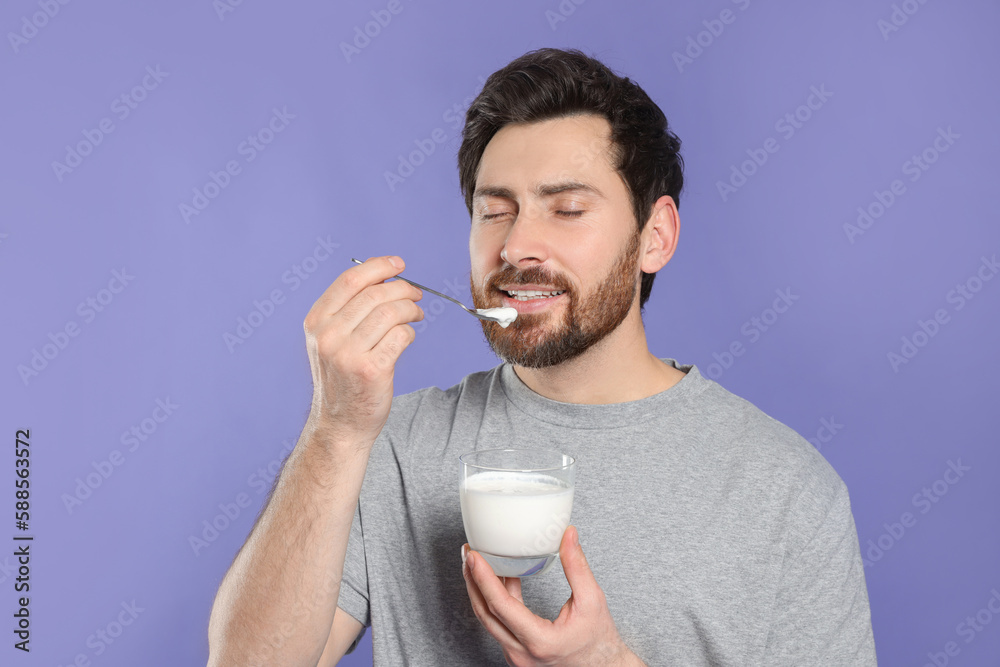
(516,504)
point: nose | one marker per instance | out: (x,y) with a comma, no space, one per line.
(526,243)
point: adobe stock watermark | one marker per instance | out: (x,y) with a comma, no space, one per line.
(260,481)
(381,18)
(454,117)
(88,310)
(899,17)
(30,25)
(263,309)
(249,148)
(563,11)
(122,107)
(433,305)
(914,168)
(223,7)
(923,501)
(303,608)
(699,42)
(787,125)
(105,636)
(133,438)
(970,628)
(828,429)
(752,329)
(547,536)
(959,296)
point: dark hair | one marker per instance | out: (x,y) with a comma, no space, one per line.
(553,83)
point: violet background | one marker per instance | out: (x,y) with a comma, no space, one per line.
(323,176)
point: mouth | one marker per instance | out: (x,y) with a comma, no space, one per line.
(531,300)
(530,295)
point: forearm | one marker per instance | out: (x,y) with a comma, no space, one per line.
(276,603)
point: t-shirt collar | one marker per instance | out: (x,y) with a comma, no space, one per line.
(587,416)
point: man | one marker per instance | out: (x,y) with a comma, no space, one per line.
(705,532)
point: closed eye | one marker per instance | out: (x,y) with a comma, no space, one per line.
(571,214)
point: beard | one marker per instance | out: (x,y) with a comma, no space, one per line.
(531,341)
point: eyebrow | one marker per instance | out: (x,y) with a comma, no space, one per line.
(542,190)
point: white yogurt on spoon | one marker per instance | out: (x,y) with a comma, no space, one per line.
(504,315)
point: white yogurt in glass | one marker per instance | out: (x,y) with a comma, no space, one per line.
(515,514)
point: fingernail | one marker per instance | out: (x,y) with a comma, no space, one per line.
(576,536)
(464,551)
(396,261)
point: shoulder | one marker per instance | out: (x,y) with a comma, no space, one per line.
(784,470)
(761,437)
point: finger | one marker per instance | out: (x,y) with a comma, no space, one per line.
(387,351)
(513,586)
(479,606)
(352,281)
(581,579)
(382,318)
(364,302)
(509,610)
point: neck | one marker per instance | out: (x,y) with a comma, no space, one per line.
(619,368)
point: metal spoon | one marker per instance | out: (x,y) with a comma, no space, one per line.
(443,296)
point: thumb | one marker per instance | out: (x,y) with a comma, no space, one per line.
(575,566)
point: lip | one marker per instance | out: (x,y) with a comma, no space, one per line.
(530,286)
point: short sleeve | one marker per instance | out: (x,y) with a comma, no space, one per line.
(822,614)
(353,597)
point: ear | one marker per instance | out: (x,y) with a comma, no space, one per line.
(659,236)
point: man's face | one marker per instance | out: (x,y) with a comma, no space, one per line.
(550,214)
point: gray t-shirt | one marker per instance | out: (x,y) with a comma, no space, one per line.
(719,535)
